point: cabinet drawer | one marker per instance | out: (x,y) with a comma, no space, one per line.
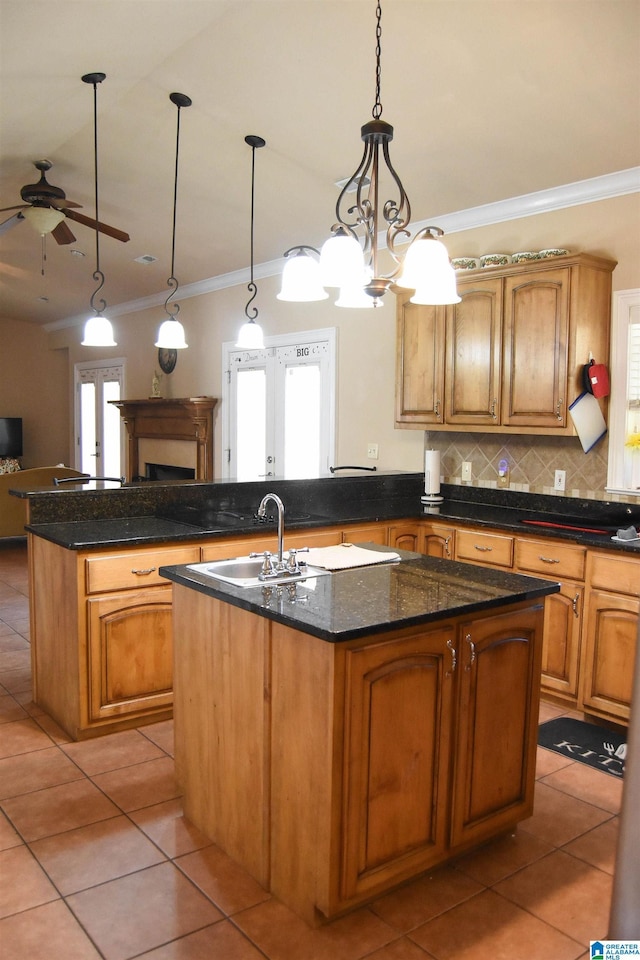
(552,559)
(489,548)
(134,568)
(618,574)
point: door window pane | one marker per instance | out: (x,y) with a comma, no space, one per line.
(302,422)
(111,429)
(87,435)
(251,398)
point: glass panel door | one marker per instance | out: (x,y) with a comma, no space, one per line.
(99,434)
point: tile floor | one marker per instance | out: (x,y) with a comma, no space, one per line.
(96,859)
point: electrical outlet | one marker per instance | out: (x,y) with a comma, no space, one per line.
(372,451)
(559,480)
(466,471)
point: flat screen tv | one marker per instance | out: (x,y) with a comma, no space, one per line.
(10,436)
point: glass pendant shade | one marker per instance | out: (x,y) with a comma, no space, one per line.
(250,336)
(439,288)
(423,258)
(98,332)
(301,280)
(43,219)
(171,336)
(355,297)
(341,261)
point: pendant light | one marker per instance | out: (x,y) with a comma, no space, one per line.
(98,331)
(349,258)
(171,332)
(250,336)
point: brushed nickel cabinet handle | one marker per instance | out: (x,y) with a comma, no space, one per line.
(144,573)
(494,404)
(548,559)
(454,659)
(559,409)
(574,604)
(477,546)
(472,648)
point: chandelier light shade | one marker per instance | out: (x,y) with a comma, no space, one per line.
(301,276)
(171,334)
(98,331)
(250,336)
(349,258)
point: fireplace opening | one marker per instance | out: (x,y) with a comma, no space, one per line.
(166,471)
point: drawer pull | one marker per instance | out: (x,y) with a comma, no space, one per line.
(482,549)
(548,559)
(472,649)
(454,659)
(144,573)
(574,604)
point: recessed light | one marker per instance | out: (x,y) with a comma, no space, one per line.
(145,258)
(77,253)
(43,299)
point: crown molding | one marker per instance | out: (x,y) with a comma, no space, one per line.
(606,187)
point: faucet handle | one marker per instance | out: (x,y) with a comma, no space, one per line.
(292,563)
(268,568)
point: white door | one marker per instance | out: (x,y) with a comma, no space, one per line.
(99,433)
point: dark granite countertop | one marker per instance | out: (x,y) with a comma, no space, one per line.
(349,604)
(145,514)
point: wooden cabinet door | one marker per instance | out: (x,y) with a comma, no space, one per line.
(474,354)
(420,363)
(438,541)
(561,645)
(396,759)
(536,338)
(499,677)
(130,653)
(406,536)
(366,533)
(609,653)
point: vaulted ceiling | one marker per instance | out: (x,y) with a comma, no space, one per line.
(489,100)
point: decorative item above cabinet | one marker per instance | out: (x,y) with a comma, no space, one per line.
(509,356)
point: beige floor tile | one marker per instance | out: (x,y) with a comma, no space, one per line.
(225,882)
(167,826)
(558,817)
(160,734)
(8,836)
(402,949)
(598,847)
(567,893)
(35,771)
(548,761)
(111,752)
(424,898)
(24,883)
(221,941)
(49,932)
(141,785)
(489,926)
(56,809)
(281,935)
(21,736)
(502,857)
(144,910)
(10,709)
(95,854)
(587,784)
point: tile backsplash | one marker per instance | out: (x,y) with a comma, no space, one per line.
(532,462)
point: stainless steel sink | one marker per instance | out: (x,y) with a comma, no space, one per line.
(245,572)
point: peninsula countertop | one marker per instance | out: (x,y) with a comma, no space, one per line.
(353,603)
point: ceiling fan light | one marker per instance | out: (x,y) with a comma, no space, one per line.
(43,219)
(171,336)
(250,336)
(425,258)
(341,261)
(98,332)
(301,280)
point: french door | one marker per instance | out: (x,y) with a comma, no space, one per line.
(99,435)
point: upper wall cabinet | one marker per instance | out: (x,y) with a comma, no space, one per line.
(510,355)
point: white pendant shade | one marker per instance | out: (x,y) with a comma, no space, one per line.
(356,298)
(43,219)
(98,332)
(250,336)
(424,258)
(440,288)
(301,280)
(171,336)
(341,261)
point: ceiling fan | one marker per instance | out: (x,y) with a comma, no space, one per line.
(46,206)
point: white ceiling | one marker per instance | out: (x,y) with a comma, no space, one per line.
(489,99)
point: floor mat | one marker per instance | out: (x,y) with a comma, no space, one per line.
(589,743)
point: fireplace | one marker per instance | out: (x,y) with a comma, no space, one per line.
(167,471)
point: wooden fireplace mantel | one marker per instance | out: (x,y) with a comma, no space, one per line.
(160,419)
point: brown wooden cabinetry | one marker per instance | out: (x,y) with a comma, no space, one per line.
(438,540)
(610,640)
(488,549)
(515,346)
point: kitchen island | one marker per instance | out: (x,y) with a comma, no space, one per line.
(339,735)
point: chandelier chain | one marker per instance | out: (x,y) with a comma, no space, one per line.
(377,108)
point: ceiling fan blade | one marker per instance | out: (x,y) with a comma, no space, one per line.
(63,204)
(62,234)
(11,222)
(102,227)
(20,206)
